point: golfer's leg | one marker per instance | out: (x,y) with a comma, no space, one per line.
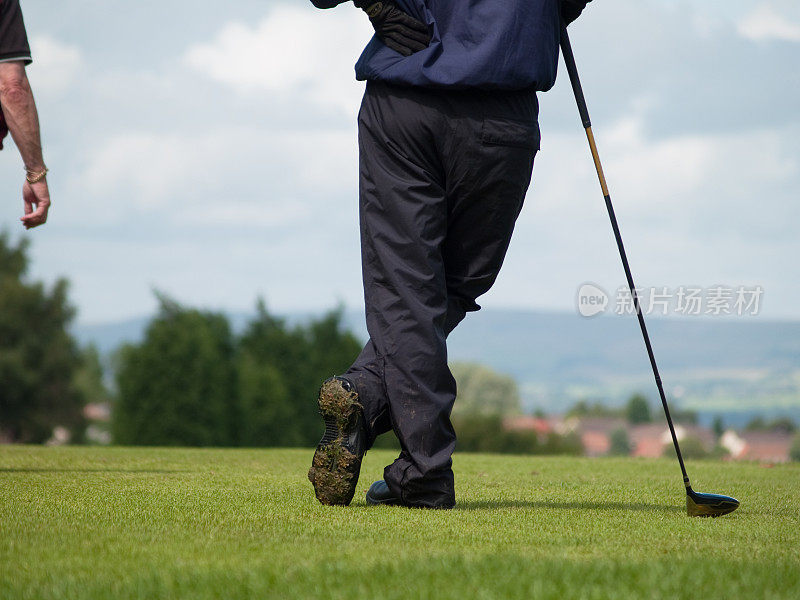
(367,375)
(485,193)
(403,225)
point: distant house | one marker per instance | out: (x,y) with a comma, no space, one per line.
(97,411)
(650,439)
(542,427)
(98,414)
(647,440)
(595,432)
(762,446)
(704,434)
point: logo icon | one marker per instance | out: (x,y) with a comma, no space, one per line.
(591,300)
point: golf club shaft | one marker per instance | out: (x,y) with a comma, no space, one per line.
(569,60)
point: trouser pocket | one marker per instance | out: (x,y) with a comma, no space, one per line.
(507,132)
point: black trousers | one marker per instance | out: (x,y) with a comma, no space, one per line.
(443,175)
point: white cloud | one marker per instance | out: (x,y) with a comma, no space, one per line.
(253,212)
(693,209)
(764,23)
(717,185)
(238,177)
(55,65)
(149,165)
(250,125)
(291,51)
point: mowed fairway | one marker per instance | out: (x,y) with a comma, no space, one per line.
(177,523)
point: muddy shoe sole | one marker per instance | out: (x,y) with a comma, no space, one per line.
(337,461)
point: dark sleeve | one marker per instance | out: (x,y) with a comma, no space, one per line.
(327,3)
(13,39)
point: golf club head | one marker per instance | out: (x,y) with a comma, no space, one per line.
(709,505)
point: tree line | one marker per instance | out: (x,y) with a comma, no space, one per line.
(193,382)
(190,381)
(44,375)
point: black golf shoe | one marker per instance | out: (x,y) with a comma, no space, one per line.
(337,461)
(379,493)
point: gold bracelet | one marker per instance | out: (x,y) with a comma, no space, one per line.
(32,177)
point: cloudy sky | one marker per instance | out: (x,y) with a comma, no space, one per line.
(208,149)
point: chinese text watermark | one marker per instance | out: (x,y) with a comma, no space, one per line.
(685,300)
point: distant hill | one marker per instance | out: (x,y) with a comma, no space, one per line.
(734,367)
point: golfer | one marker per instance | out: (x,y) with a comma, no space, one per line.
(447,137)
(18,112)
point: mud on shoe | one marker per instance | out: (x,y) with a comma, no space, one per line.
(337,461)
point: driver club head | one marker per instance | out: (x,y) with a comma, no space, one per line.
(709,505)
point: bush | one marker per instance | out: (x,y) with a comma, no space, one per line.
(638,410)
(482,391)
(691,447)
(794,453)
(720,452)
(486,434)
(620,443)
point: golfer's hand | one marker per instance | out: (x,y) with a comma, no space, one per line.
(572,9)
(399,31)
(36,197)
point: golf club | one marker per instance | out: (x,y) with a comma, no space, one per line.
(697,504)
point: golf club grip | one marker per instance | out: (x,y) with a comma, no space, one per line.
(572,69)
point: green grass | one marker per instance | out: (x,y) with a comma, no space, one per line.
(176,523)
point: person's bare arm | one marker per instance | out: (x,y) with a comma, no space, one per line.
(19,109)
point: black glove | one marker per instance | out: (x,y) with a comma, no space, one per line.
(399,31)
(572,9)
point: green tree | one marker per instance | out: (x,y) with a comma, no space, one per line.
(782,425)
(38,357)
(178,387)
(638,410)
(265,411)
(756,424)
(620,443)
(718,426)
(584,408)
(89,377)
(687,417)
(281,369)
(482,391)
(779,424)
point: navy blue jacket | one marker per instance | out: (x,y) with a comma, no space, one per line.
(490,44)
